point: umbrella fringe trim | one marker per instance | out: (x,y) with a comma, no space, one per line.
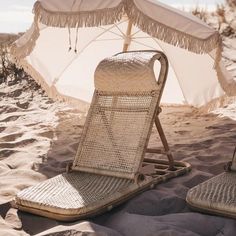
(228,86)
(171,35)
(19,52)
(71,19)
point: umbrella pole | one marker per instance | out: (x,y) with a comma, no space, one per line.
(127,37)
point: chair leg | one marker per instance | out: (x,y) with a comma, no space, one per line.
(165,143)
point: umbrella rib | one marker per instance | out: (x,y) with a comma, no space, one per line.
(111,32)
(115,25)
(136,33)
(94,39)
(142,37)
(99,40)
(120,29)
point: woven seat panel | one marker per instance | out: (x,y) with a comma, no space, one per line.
(72,193)
(115,134)
(217,194)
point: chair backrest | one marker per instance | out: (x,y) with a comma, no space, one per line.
(121,115)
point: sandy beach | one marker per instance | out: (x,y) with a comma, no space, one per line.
(39,137)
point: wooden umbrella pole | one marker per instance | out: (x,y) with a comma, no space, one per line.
(127,36)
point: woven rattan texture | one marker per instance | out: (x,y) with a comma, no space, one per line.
(73,191)
(217,194)
(132,71)
(116,132)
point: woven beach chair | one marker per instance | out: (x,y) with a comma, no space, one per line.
(216,195)
(109,166)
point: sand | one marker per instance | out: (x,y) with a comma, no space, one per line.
(39,137)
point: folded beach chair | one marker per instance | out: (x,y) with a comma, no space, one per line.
(216,195)
(109,166)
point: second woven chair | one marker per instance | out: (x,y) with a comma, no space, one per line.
(216,195)
(109,166)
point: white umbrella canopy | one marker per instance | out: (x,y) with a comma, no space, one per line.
(69,38)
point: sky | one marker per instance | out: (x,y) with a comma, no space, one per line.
(16,15)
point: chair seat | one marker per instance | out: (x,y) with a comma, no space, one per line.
(76,195)
(73,193)
(217,195)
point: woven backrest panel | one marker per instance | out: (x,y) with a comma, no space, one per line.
(115,134)
(118,127)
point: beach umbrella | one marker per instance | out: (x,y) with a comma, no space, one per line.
(69,38)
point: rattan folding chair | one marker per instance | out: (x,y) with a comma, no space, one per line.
(109,166)
(216,195)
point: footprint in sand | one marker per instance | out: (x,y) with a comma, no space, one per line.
(47,134)
(33,124)
(8,109)
(10,137)
(212,127)
(13,219)
(4,153)
(10,118)
(23,105)
(181,132)
(17,144)
(15,93)
(2,129)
